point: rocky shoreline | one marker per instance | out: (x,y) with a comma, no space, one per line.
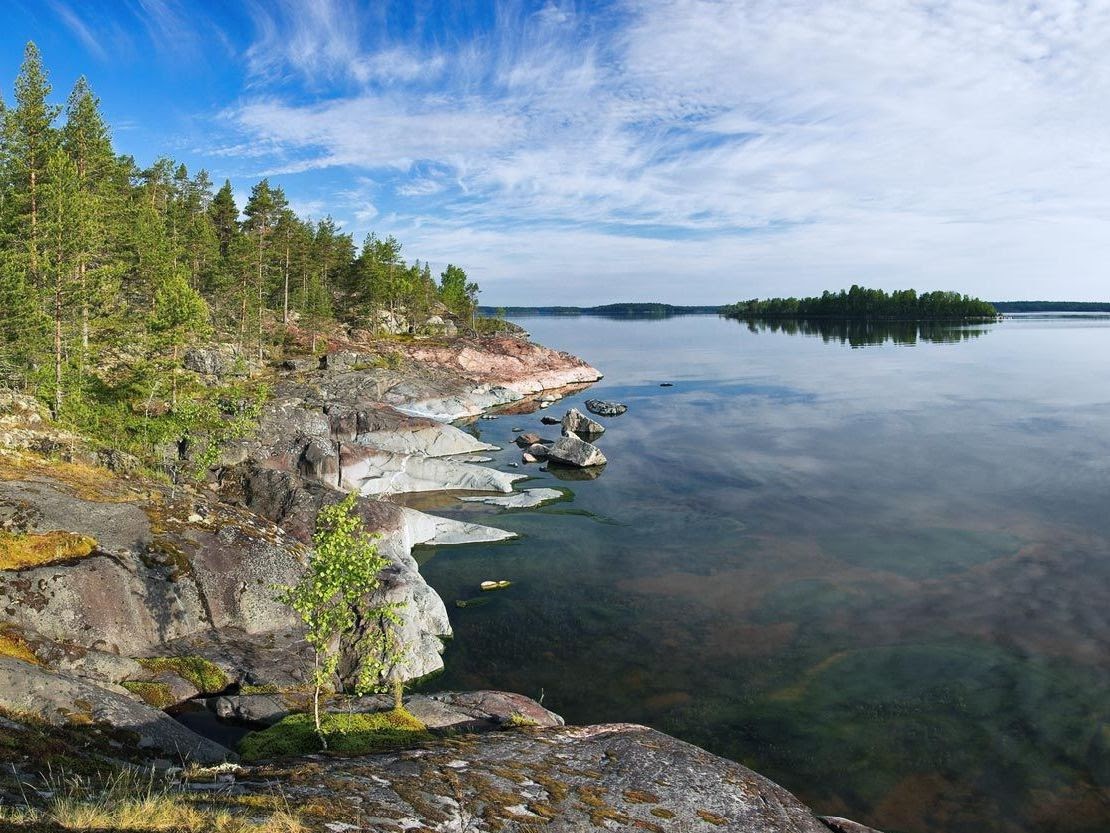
(140,597)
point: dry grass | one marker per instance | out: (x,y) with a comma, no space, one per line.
(87,482)
(127,804)
(19,551)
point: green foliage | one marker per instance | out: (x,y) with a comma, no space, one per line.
(109,271)
(355,734)
(331,597)
(205,676)
(860,302)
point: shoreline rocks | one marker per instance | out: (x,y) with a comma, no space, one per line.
(571,450)
(576,422)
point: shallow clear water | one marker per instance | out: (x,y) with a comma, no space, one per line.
(878,575)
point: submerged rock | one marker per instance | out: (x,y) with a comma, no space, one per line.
(608,409)
(577,422)
(573,451)
(549,420)
(526,499)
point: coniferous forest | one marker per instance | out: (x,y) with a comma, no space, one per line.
(862,303)
(109,270)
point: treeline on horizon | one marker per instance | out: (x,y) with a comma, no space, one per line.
(109,271)
(619,310)
(860,302)
(1052,306)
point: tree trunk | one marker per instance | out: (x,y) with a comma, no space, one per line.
(285,298)
(58,340)
(316,705)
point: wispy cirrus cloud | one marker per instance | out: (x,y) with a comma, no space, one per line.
(758,146)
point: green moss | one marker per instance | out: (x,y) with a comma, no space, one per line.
(153,694)
(519,721)
(259,689)
(355,734)
(19,551)
(204,675)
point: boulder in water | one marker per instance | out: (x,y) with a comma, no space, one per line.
(577,422)
(608,409)
(571,450)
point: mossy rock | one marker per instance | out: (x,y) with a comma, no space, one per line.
(355,734)
(18,551)
(153,694)
(204,675)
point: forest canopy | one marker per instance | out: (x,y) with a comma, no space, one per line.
(862,303)
(110,270)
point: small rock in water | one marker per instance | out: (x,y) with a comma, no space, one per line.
(495,585)
(666,384)
(528,458)
(547,420)
(513,465)
(577,422)
(545,404)
(470,602)
(517,430)
(609,409)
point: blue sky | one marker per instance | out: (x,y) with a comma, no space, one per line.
(690,151)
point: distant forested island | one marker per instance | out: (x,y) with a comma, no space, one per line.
(1052,306)
(625,310)
(862,303)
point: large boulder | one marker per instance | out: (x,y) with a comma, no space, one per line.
(60,699)
(571,450)
(578,423)
(560,779)
(220,361)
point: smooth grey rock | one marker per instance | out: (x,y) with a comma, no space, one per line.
(572,451)
(60,699)
(560,779)
(259,709)
(578,423)
(373,472)
(609,409)
(527,499)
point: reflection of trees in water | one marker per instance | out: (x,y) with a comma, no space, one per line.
(865,333)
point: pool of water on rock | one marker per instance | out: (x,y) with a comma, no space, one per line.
(872,565)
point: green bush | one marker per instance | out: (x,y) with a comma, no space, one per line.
(355,734)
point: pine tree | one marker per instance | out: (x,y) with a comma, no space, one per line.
(30,139)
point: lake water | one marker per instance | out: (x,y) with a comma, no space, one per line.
(878,574)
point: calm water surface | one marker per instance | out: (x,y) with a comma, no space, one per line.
(878,575)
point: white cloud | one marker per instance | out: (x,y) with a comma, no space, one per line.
(749,147)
